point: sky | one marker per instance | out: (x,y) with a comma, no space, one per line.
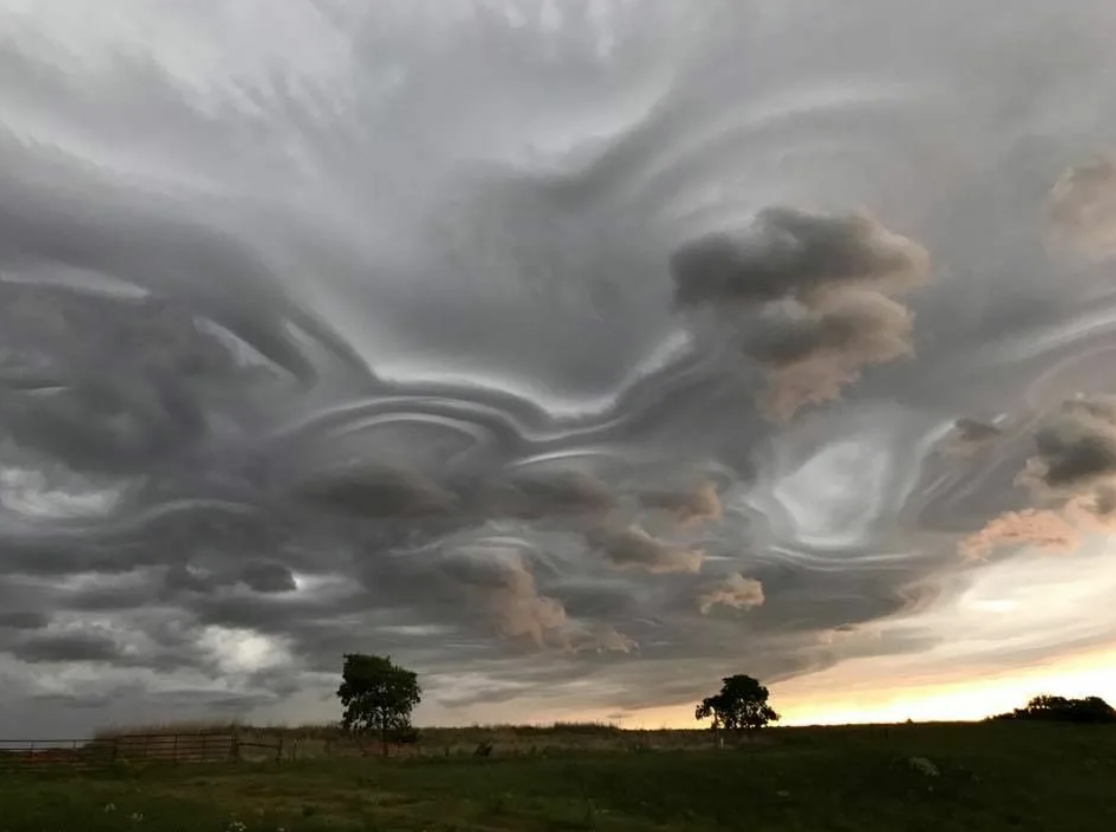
(575,355)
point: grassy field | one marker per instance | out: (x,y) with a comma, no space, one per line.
(983,777)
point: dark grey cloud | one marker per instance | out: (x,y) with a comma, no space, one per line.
(971,434)
(368,362)
(1076,447)
(26,620)
(66,647)
(822,282)
(381,492)
(790,253)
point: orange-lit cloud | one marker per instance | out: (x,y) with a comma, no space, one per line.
(1081,207)
(633,548)
(686,505)
(736,592)
(1032,527)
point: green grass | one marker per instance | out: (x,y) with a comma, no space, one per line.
(988,777)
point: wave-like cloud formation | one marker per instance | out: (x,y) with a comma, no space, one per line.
(574,354)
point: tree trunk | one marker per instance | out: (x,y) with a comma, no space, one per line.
(384,735)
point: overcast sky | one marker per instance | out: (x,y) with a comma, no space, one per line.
(575,354)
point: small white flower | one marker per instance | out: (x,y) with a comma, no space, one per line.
(135,817)
(110,807)
(237,826)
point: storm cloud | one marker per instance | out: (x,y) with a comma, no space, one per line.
(823,281)
(575,355)
(789,253)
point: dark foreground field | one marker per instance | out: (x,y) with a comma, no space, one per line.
(983,777)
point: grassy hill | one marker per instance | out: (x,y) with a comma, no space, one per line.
(986,776)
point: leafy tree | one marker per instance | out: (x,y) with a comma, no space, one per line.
(741,706)
(378,696)
(1091,709)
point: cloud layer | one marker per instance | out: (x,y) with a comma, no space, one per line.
(536,348)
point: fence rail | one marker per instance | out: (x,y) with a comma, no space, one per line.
(154,748)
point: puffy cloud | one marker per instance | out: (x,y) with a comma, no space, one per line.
(735,591)
(1081,207)
(1074,471)
(812,353)
(633,548)
(822,282)
(790,253)
(509,589)
(1076,449)
(499,575)
(686,505)
(1031,527)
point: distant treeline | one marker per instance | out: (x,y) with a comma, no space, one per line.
(1091,709)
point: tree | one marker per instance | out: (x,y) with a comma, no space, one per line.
(378,696)
(1091,709)
(741,706)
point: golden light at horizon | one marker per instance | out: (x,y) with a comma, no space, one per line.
(867,693)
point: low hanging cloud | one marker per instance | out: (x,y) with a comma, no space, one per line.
(1072,476)
(633,548)
(502,578)
(811,293)
(1081,207)
(508,588)
(735,591)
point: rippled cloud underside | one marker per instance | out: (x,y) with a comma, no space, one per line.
(574,354)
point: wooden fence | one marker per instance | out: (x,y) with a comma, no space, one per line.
(137,748)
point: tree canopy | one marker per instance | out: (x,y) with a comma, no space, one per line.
(1091,709)
(740,706)
(378,696)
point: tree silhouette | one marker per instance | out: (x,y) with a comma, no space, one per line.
(740,707)
(378,696)
(1091,709)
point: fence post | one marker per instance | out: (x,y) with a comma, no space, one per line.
(174,751)
(279,750)
(234,747)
